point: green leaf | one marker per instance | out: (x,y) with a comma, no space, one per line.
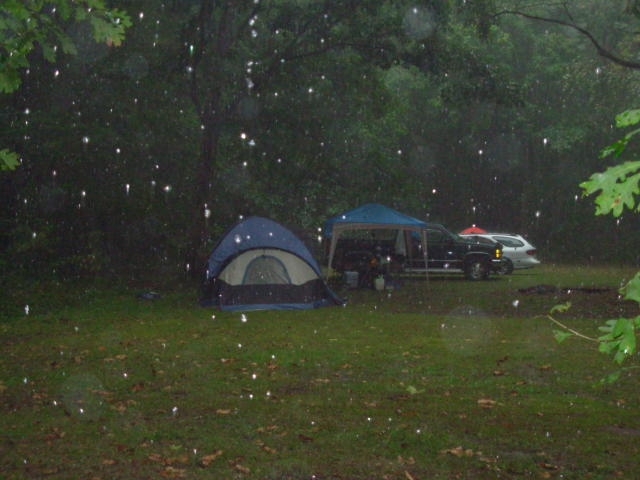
(8,160)
(630,117)
(619,339)
(560,308)
(611,378)
(631,290)
(561,335)
(618,186)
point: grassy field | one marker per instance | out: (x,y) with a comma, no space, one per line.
(437,379)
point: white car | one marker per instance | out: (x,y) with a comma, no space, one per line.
(516,252)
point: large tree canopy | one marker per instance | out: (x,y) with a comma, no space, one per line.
(300,109)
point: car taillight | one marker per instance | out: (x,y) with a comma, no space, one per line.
(531,252)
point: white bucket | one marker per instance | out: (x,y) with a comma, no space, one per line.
(378,283)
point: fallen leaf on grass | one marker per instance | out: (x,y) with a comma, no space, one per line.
(223,411)
(239,467)
(171,472)
(458,452)
(408,475)
(486,403)
(269,449)
(209,459)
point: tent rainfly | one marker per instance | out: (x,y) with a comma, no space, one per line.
(260,265)
(372,216)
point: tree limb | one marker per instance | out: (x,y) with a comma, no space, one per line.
(602,51)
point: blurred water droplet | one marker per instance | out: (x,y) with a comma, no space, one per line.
(26,309)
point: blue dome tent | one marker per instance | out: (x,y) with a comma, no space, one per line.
(258,265)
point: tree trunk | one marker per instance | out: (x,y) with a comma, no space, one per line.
(196,256)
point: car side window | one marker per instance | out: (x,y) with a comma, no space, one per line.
(509,242)
(435,236)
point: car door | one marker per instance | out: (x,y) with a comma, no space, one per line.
(513,249)
(440,250)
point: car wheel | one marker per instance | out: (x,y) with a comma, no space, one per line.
(506,268)
(476,270)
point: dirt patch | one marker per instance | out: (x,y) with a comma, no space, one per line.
(586,302)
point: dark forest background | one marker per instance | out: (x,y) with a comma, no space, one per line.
(134,159)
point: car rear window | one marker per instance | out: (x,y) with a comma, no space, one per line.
(509,242)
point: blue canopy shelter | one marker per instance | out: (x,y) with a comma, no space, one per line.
(259,264)
(374,216)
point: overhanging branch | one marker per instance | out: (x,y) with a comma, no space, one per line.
(602,51)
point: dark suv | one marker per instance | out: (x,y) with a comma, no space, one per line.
(451,253)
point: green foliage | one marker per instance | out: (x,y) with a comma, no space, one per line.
(619,338)
(26,25)
(8,160)
(618,186)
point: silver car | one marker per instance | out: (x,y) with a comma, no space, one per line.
(517,252)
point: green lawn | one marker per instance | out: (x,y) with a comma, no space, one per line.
(438,379)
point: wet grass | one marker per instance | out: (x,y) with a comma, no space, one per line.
(437,379)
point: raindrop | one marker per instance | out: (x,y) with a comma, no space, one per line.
(127,187)
(515,303)
(26,309)
(237,238)
(85,140)
(174,411)
(538,213)
(545,141)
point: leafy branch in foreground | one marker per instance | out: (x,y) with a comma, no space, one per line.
(27,26)
(619,336)
(617,189)
(618,185)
